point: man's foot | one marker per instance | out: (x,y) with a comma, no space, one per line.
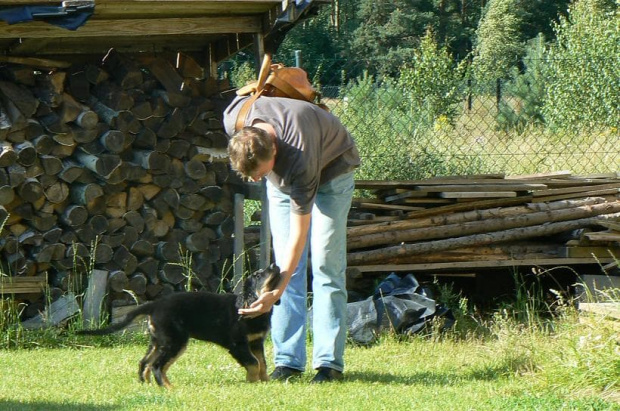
(284,374)
(326,374)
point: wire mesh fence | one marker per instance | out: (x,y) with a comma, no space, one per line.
(461,128)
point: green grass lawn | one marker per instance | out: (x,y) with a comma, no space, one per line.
(511,367)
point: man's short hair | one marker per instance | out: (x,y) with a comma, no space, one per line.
(249,147)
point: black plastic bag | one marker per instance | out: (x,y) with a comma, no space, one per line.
(399,303)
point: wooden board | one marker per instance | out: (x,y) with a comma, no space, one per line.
(579,189)
(506,186)
(93,299)
(603,236)
(612,225)
(478,194)
(22,285)
(554,174)
(56,313)
(379,206)
(214,30)
(477,264)
(589,251)
(402,196)
(592,193)
(480,204)
(138,325)
(606,309)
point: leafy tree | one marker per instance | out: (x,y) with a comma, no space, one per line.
(584,65)
(541,17)
(431,82)
(241,73)
(498,46)
(390,30)
(316,39)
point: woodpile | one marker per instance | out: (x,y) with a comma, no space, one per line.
(462,226)
(118,166)
(472,222)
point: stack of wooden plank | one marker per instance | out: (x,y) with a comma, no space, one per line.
(456,224)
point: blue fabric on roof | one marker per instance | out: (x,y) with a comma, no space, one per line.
(53,15)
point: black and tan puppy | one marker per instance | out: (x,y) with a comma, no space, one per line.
(175,318)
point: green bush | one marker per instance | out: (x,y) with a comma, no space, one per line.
(242,74)
(526,90)
(430,83)
(584,65)
(395,121)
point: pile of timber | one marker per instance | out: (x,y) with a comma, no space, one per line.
(119,166)
(457,224)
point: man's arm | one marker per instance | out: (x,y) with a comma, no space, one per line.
(299,226)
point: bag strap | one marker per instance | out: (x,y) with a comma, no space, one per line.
(285,87)
(260,86)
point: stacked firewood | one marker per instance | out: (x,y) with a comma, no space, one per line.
(483,221)
(460,225)
(119,166)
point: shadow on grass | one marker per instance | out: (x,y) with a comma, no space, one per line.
(46,406)
(432,378)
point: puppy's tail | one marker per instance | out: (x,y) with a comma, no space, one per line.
(144,309)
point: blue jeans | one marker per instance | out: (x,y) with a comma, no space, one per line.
(327,243)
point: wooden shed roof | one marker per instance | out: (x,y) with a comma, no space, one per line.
(212,30)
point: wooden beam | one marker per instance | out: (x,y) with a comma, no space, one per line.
(476,264)
(224,47)
(22,285)
(56,313)
(136,27)
(35,62)
(606,309)
(159,5)
(114,8)
(29,2)
(93,299)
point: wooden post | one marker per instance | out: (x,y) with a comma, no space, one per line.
(96,291)
(259,49)
(238,244)
(265,230)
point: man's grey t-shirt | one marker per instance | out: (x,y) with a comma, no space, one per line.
(313,146)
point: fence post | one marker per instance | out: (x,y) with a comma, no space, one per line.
(469,96)
(498,93)
(298,58)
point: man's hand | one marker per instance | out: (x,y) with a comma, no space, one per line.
(263,305)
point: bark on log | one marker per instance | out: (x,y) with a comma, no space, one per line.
(474,215)
(382,254)
(84,194)
(8,156)
(138,283)
(172,273)
(74,215)
(123,70)
(57,192)
(103,165)
(26,153)
(488,225)
(118,281)
(31,190)
(96,165)
(70,172)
